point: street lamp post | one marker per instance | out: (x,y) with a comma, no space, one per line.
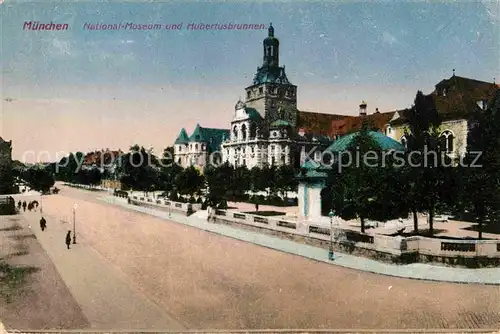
(74,223)
(330,251)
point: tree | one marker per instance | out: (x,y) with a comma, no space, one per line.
(356,190)
(39,179)
(138,169)
(479,172)
(168,170)
(189,181)
(286,179)
(257,180)
(431,186)
(219,181)
(241,181)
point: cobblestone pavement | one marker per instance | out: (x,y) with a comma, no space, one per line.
(210,281)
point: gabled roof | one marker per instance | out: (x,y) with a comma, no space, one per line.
(462,95)
(212,137)
(182,138)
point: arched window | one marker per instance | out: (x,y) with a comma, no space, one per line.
(179,161)
(253,131)
(446,141)
(196,147)
(235,132)
(244,132)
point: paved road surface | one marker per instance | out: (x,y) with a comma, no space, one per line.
(210,281)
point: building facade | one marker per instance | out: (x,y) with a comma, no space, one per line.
(267,128)
(199,149)
(456,99)
(6,176)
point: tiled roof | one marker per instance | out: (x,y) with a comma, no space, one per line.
(95,157)
(460,99)
(384,142)
(183,137)
(321,124)
(212,137)
(337,125)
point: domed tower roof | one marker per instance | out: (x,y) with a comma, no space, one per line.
(270,39)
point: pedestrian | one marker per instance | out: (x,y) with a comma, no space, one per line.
(209,212)
(43,224)
(30,206)
(68,239)
(24,205)
(256,206)
(19,205)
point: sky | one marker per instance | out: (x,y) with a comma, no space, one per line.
(83,90)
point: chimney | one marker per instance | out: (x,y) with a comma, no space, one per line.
(362,108)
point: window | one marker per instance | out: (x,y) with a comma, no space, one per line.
(273,160)
(244,132)
(261,90)
(389,130)
(249,94)
(273,103)
(244,162)
(179,161)
(252,149)
(446,141)
(235,133)
(196,147)
(179,148)
(253,130)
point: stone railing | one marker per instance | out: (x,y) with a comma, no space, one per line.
(165,204)
(397,249)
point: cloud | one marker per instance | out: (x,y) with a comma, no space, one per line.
(388,38)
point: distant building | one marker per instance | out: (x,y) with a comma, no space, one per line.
(457,99)
(195,150)
(6,178)
(268,128)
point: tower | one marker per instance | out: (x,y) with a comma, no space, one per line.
(362,108)
(271,94)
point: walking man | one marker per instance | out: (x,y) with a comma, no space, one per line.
(19,205)
(256,206)
(43,224)
(24,205)
(68,239)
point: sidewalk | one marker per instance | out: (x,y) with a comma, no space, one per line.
(97,286)
(413,271)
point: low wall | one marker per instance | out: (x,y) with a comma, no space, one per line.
(470,253)
(165,205)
